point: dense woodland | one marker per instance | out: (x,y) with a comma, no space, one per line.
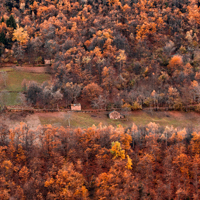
(147,162)
(127,54)
(109,53)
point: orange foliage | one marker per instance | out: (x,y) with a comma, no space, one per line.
(77,164)
(175,63)
(92,91)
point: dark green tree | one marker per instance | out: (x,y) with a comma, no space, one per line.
(11,22)
(2,19)
(3,38)
(9,5)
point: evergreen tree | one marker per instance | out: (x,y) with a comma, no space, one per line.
(9,5)
(11,22)
(2,38)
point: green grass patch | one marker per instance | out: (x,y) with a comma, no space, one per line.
(141,118)
(167,119)
(9,99)
(83,120)
(15,79)
(12,99)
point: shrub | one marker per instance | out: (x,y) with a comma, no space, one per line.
(178,106)
(126,107)
(136,106)
(197,108)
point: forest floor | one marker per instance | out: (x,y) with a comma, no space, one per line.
(85,120)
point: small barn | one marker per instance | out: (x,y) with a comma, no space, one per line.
(115,115)
(47,62)
(76,106)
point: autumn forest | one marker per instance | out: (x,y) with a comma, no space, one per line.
(124,54)
(108,55)
(148,162)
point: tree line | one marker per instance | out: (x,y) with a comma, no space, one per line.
(146,162)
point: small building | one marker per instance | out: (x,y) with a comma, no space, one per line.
(115,115)
(47,62)
(76,106)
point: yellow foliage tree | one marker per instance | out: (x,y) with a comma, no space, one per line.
(117,151)
(121,58)
(129,163)
(20,35)
(195,144)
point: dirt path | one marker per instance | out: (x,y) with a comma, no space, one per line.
(33,69)
(12,120)
(51,114)
(32,121)
(28,68)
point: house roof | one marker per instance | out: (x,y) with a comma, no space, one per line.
(78,104)
(113,112)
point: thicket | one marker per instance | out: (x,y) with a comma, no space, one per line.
(149,162)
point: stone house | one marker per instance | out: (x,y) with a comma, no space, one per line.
(47,62)
(76,106)
(115,115)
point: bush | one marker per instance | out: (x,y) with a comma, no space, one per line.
(178,106)
(197,108)
(33,92)
(136,106)
(6,60)
(147,102)
(38,59)
(109,106)
(127,107)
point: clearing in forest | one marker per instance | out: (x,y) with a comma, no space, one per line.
(85,120)
(14,82)
(140,118)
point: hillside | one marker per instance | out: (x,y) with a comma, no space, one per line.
(129,54)
(138,57)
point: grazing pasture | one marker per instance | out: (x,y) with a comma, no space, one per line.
(140,118)
(14,82)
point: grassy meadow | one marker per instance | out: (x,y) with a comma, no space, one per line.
(140,118)
(14,82)
(85,120)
